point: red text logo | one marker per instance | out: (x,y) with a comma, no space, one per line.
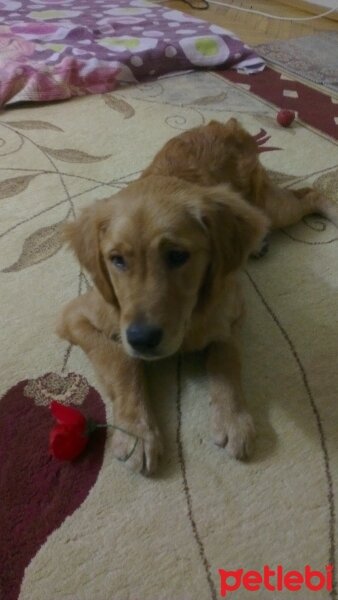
(275,580)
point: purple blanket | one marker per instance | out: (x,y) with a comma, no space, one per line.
(52,49)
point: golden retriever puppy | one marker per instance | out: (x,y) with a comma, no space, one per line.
(219,153)
(164,254)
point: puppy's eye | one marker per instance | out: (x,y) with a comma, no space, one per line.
(118,262)
(177,258)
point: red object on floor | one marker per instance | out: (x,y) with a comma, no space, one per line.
(38,492)
(311,106)
(69,437)
(285,117)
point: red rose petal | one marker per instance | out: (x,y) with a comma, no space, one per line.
(67,415)
(67,443)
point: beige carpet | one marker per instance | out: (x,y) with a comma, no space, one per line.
(165,538)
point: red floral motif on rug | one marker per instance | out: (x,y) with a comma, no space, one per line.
(37,491)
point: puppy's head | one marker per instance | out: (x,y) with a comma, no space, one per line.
(160,248)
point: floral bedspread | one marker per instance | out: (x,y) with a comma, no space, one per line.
(51,50)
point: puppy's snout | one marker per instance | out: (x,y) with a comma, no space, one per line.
(144,337)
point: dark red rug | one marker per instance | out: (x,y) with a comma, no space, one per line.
(312,107)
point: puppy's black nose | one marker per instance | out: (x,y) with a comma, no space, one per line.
(143,337)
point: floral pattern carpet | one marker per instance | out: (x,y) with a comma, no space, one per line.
(92,529)
(52,50)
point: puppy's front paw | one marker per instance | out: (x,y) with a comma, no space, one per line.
(140,452)
(237,434)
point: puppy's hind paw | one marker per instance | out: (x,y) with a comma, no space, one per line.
(262,251)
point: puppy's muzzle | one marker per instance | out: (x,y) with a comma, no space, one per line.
(144,338)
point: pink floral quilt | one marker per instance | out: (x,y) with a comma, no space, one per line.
(51,50)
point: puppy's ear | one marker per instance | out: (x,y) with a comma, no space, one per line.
(235,228)
(83,237)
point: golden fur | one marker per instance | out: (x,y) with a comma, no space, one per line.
(206,203)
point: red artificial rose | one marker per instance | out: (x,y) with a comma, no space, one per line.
(70,436)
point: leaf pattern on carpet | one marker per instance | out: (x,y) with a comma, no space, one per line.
(14,185)
(33,124)
(328,184)
(72,155)
(119,105)
(39,246)
(205,100)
